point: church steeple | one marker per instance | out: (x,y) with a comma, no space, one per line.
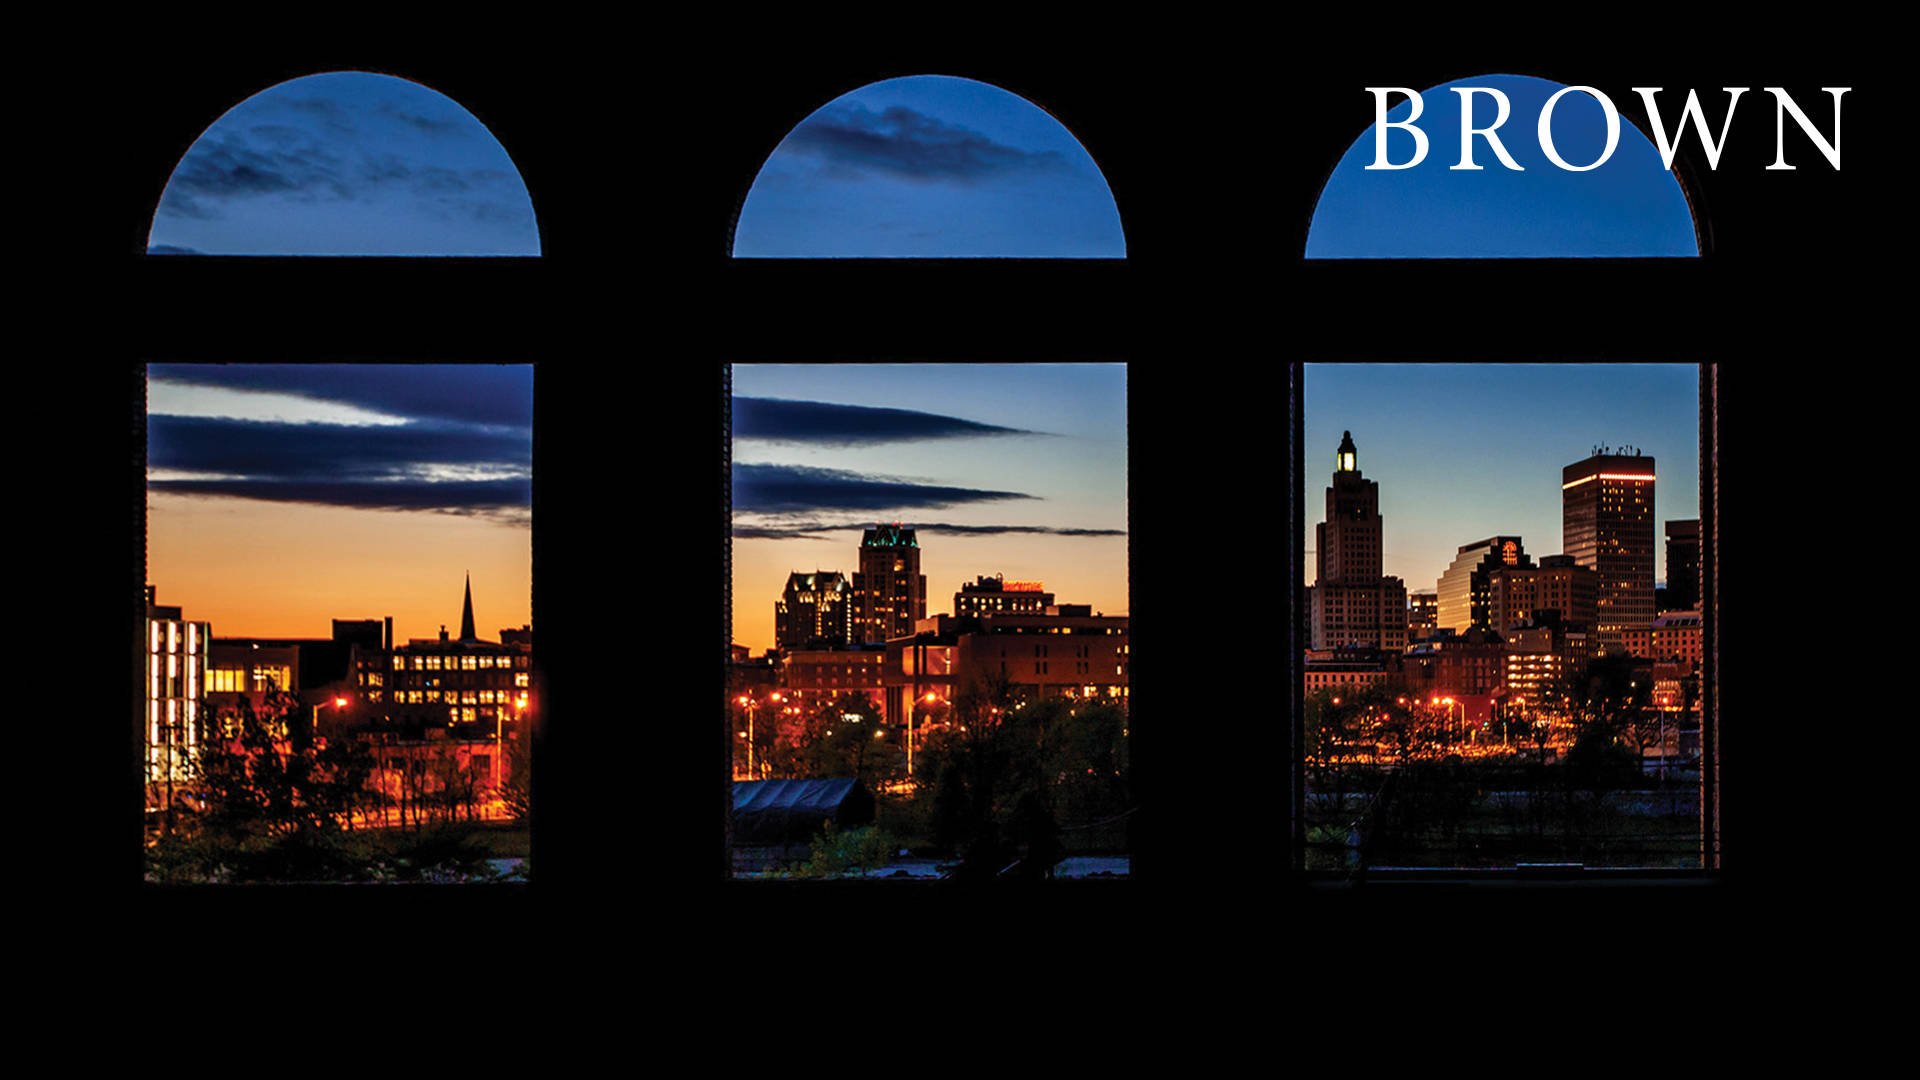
(466,614)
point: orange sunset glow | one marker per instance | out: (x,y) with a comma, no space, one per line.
(260,569)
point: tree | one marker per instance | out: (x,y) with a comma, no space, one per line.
(1017,780)
(847,737)
(516,772)
(274,801)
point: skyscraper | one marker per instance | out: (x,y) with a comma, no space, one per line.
(815,608)
(1606,524)
(889,591)
(1683,565)
(1351,603)
(1466,593)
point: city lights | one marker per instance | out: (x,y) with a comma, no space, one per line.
(1585,664)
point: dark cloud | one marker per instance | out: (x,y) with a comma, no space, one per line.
(1014,530)
(847,425)
(277,451)
(909,144)
(506,499)
(327,111)
(489,394)
(788,488)
(374,468)
(796,530)
(274,159)
(231,166)
(440,178)
(429,125)
(277,134)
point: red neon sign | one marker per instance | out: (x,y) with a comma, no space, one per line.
(1023,586)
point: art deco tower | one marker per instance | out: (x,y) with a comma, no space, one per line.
(889,591)
(1350,602)
(1606,524)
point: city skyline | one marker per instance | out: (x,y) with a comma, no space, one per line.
(1015,469)
(283,496)
(1463,452)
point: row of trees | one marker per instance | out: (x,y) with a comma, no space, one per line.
(1387,777)
(260,784)
(999,781)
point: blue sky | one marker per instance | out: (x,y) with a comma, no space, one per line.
(345,163)
(1016,469)
(1467,451)
(929,166)
(1629,206)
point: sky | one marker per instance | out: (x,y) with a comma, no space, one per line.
(1011,469)
(929,166)
(1463,452)
(345,163)
(283,496)
(1629,206)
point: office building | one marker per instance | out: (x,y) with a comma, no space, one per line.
(809,677)
(815,611)
(889,591)
(1557,592)
(1465,593)
(997,596)
(1423,614)
(1607,526)
(1675,636)
(466,686)
(1469,667)
(1683,566)
(1351,603)
(1541,660)
(176,665)
(1033,656)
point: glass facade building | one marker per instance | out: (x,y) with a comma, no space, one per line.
(1465,592)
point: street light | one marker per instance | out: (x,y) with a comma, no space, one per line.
(748,701)
(519,708)
(338,702)
(929,699)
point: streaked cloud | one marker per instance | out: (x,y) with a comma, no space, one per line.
(498,395)
(804,529)
(787,488)
(907,143)
(832,424)
(282,433)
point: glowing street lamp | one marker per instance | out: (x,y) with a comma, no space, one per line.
(339,702)
(750,703)
(927,700)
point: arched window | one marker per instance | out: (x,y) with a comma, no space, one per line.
(929,166)
(345,163)
(1629,206)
